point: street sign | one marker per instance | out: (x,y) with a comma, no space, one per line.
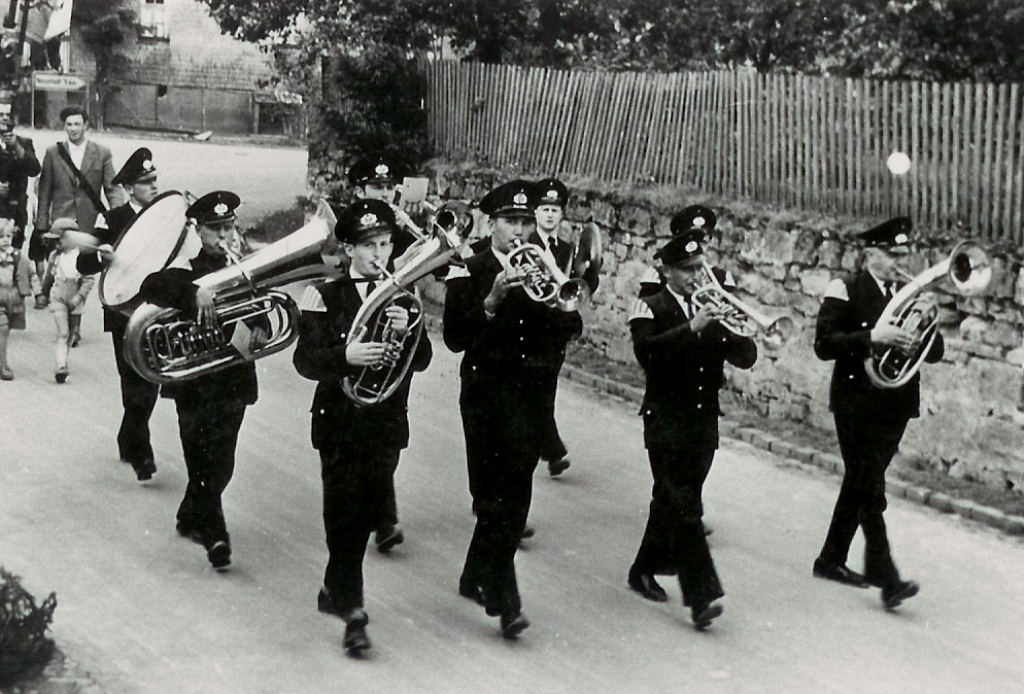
(56,82)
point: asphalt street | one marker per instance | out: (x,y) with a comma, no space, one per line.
(140,608)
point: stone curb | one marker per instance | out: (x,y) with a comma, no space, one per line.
(994,518)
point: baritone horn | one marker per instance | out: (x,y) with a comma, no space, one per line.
(165,346)
(451,225)
(969,270)
(741,318)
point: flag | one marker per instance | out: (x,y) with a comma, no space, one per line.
(60,20)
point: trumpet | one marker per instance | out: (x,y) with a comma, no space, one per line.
(741,318)
(969,270)
(545,282)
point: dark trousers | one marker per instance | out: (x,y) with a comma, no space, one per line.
(209,433)
(138,397)
(868,443)
(357,487)
(501,419)
(551,445)
(674,537)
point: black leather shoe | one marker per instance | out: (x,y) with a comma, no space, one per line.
(387,537)
(513,624)
(895,594)
(219,554)
(325,604)
(647,586)
(356,640)
(557,467)
(705,613)
(839,573)
(145,470)
(189,532)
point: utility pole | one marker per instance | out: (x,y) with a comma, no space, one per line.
(19,58)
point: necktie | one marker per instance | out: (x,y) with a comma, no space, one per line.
(370,286)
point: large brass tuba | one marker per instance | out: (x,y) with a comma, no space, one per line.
(741,318)
(166,346)
(968,268)
(450,227)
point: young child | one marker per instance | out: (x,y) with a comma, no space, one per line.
(68,289)
(15,277)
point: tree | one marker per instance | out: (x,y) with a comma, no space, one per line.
(104,26)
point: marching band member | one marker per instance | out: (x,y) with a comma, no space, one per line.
(870,421)
(682,350)
(552,199)
(692,217)
(379,178)
(511,344)
(359,445)
(138,396)
(210,407)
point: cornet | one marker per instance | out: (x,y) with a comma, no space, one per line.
(545,282)
(741,318)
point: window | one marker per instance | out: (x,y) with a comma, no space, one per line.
(153,20)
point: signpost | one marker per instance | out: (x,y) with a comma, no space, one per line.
(54,82)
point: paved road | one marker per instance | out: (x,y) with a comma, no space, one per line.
(266,178)
(140,609)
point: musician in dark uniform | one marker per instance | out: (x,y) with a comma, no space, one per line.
(693,217)
(511,345)
(380,177)
(870,421)
(682,350)
(551,201)
(138,396)
(359,445)
(210,407)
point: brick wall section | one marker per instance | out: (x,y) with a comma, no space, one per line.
(782,262)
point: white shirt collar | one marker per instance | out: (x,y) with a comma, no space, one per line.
(881,284)
(683,302)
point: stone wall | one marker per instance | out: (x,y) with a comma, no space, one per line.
(782,262)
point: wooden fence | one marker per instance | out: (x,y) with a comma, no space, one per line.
(803,142)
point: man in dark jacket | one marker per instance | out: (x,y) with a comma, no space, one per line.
(212,406)
(682,350)
(138,396)
(359,445)
(18,163)
(870,421)
(511,344)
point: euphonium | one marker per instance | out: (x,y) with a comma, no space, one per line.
(373,384)
(166,346)
(545,282)
(968,268)
(741,318)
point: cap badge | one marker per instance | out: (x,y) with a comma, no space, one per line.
(368,220)
(698,222)
(220,208)
(520,199)
(552,194)
(691,247)
(382,170)
(147,165)
(900,238)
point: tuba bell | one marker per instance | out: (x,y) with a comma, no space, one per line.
(165,346)
(741,318)
(968,268)
(450,227)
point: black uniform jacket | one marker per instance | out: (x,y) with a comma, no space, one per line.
(118,219)
(320,356)
(16,173)
(523,334)
(843,333)
(685,371)
(174,288)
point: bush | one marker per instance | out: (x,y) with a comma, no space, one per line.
(24,646)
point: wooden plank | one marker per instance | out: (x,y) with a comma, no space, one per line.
(997,179)
(917,156)
(778,109)
(1018,173)
(690,143)
(977,164)
(683,145)
(906,146)
(657,130)
(637,116)
(988,175)
(942,193)
(878,154)
(1012,194)
(932,149)
(661,163)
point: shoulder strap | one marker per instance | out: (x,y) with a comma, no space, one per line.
(94,197)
